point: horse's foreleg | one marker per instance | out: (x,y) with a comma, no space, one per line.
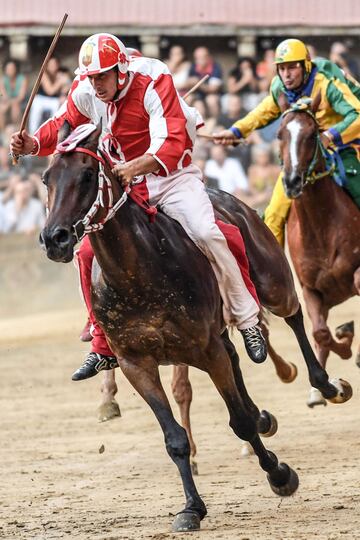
(286,371)
(109,408)
(318,315)
(337,391)
(143,374)
(282,479)
(182,392)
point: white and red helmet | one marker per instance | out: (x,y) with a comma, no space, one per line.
(101,52)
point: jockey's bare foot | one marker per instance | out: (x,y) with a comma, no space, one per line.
(85,333)
(255,344)
(93,363)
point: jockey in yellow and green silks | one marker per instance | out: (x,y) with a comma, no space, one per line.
(338,117)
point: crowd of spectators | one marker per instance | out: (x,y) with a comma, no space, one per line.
(248,171)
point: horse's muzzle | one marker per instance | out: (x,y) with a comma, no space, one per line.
(58,243)
(293,186)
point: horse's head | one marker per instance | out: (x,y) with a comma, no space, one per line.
(298,136)
(72,183)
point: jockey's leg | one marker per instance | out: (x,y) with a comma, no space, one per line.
(277,211)
(187,201)
(352,168)
(101,357)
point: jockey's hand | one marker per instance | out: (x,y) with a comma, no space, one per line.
(22,144)
(124,172)
(325,139)
(225,137)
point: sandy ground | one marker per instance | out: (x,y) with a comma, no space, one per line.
(56,484)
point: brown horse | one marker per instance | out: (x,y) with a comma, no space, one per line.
(158,302)
(323,228)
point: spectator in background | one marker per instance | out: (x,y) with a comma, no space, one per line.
(205,65)
(262,175)
(227,171)
(243,82)
(13,88)
(46,102)
(339,54)
(266,70)
(235,111)
(179,68)
(23,213)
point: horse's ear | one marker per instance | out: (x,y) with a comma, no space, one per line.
(93,140)
(283,102)
(64,132)
(316,102)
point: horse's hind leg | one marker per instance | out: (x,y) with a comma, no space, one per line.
(109,407)
(283,480)
(266,422)
(286,371)
(143,374)
(337,390)
(182,392)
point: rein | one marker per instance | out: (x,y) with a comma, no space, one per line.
(320,150)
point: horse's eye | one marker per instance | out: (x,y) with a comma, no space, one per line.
(45,180)
(279,135)
(87,175)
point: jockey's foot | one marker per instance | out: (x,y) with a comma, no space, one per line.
(93,363)
(255,344)
(85,333)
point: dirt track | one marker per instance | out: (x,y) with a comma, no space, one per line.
(56,484)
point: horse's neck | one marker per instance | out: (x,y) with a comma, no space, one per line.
(115,246)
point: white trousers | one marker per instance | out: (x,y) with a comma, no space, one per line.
(182,196)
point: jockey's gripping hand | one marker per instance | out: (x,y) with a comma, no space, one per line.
(22,143)
(225,138)
(124,172)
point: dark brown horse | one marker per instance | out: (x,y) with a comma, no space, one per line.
(323,227)
(157,299)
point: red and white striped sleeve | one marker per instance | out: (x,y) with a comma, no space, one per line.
(167,124)
(47,134)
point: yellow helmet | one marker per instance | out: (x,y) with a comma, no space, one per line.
(293,50)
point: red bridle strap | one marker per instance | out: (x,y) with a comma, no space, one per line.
(89,153)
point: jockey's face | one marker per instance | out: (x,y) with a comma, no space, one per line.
(291,74)
(106,85)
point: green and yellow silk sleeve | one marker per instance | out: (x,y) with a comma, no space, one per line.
(266,112)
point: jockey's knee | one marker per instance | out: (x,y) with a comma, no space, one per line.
(206,233)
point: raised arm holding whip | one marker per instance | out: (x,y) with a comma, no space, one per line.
(21,141)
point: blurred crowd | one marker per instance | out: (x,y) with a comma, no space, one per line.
(248,171)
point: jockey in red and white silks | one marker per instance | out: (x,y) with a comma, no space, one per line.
(147,117)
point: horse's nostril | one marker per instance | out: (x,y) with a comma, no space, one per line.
(61,237)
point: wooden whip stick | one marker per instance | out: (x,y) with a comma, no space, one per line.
(231,141)
(196,86)
(24,119)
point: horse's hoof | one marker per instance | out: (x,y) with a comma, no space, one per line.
(315,398)
(291,484)
(108,411)
(345,330)
(246,449)
(194,468)
(185,522)
(267,424)
(293,374)
(344,391)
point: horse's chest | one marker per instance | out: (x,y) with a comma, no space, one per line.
(148,322)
